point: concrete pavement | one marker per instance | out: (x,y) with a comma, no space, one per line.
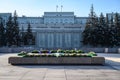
(110,71)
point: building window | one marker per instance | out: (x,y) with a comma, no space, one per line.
(61,20)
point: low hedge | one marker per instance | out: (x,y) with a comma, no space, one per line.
(44,51)
(35,51)
(22,53)
(57,53)
(52,55)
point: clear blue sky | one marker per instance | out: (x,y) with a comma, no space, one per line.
(38,7)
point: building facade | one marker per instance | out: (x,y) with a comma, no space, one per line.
(54,29)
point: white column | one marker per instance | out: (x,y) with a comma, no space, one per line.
(60,35)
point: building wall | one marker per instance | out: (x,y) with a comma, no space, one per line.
(56,40)
(55,29)
(5,17)
(59,17)
(54,36)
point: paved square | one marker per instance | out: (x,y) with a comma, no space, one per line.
(110,71)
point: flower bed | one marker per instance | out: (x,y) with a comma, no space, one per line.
(57,57)
(57,53)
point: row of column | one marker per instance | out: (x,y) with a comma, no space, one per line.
(58,40)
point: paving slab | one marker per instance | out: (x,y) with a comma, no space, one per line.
(110,71)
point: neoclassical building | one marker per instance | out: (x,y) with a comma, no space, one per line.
(54,29)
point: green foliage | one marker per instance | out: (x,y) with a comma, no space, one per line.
(16,30)
(80,51)
(73,51)
(57,55)
(89,37)
(22,53)
(44,51)
(12,31)
(9,32)
(53,51)
(117,27)
(28,36)
(22,34)
(2,33)
(60,51)
(51,55)
(102,32)
(35,51)
(92,53)
(67,51)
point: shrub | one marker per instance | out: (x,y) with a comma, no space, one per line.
(35,51)
(67,51)
(80,51)
(22,53)
(57,53)
(44,51)
(72,51)
(92,53)
(53,51)
(51,55)
(60,51)
(28,55)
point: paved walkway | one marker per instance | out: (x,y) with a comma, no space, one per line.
(111,71)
